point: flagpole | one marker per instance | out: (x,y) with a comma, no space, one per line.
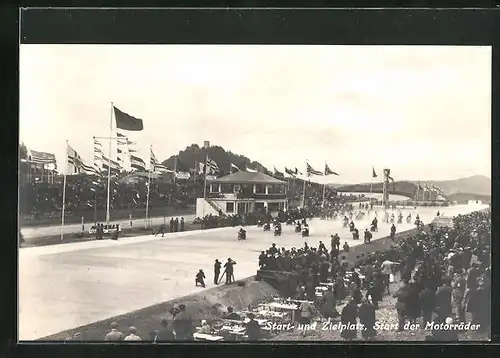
(175,168)
(149,185)
(109,163)
(304,191)
(205,170)
(64,193)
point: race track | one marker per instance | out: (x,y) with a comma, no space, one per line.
(66,286)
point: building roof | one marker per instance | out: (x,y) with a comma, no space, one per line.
(247,178)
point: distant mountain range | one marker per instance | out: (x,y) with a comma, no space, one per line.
(477,187)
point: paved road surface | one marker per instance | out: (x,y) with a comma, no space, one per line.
(33,232)
(67,286)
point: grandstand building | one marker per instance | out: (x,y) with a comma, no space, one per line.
(243,192)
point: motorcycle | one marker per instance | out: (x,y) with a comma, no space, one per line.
(305,232)
(242,235)
(400,220)
(267,227)
(344,224)
(259,223)
(373,228)
(298,228)
(277,231)
(408,220)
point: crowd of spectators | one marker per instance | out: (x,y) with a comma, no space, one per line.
(445,272)
(42,199)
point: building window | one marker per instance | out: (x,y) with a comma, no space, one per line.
(230,207)
(227,188)
(260,189)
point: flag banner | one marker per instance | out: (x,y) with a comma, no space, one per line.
(127,122)
(114,164)
(98,151)
(97,143)
(152,159)
(88,169)
(328,171)
(41,157)
(132,150)
(234,167)
(439,190)
(212,167)
(135,159)
(138,166)
(250,170)
(73,159)
(183,175)
(290,172)
(278,174)
(160,168)
(297,171)
(374,175)
(312,171)
(121,135)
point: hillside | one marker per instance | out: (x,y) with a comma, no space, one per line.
(477,184)
(477,187)
(404,188)
(194,154)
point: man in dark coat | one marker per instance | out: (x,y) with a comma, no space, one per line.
(367,319)
(348,317)
(200,278)
(217,266)
(229,270)
(443,297)
(176,225)
(166,333)
(426,302)
(252,328)
(401,305)
(183,325)
(172,224)
(182,224)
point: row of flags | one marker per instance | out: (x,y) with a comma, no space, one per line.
(127,149)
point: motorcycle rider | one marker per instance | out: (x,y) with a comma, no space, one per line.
(393,231)
(242,234)
(368,236)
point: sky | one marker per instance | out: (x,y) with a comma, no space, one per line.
(422,111)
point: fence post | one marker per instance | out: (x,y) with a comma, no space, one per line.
(130,221)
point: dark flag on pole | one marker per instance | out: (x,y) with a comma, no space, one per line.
(328,171)
(374,175)
(127,122)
